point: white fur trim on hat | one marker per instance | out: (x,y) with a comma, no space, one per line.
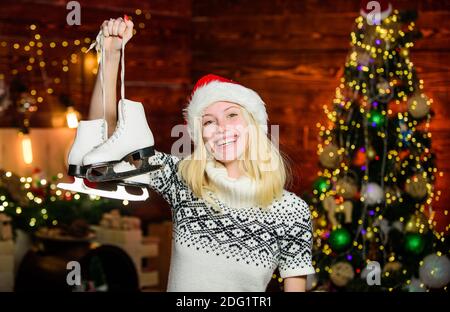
(216,91)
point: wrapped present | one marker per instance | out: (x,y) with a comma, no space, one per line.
(113,220)
(131,223)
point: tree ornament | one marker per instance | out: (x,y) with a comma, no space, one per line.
(384,91)
(373,193)
(341,273)
(376,118)
(339,239)
(347,208)
(360,157)
(362,57)
(417,224)
(330,157)
(333,207)
(391,267)
(346,187)
(435,271)
(321,185)
(418,106)
(417,186)
(414,243)
(392,192)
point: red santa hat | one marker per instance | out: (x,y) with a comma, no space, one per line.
(212,88)
(367,7)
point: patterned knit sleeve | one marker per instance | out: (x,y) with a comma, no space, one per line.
(166,181)
(296,243)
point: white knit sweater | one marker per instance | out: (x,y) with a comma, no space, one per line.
(236,249)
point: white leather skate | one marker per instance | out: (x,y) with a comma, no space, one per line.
(93,133)
(132,141)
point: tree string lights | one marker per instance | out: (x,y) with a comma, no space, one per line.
(35,47)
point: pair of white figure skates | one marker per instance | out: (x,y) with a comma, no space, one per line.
(110,162)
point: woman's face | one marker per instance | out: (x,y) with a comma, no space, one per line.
(224,131)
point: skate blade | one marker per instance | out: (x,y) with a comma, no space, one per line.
(121,193)
(76,186)
(105,172)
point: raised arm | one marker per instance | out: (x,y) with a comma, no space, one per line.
(114,30)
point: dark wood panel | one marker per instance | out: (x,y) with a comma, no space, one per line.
(302,32)
(285,7)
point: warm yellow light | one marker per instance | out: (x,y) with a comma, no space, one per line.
(90,62)
(72,117)
(27,150)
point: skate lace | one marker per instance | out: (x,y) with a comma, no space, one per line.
(117,133)
(98,44)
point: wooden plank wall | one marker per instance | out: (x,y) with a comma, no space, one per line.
(157,59)
(292,53)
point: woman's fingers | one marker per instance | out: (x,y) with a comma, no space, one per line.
(129,29)
(110,26)
(116,25)
(129,23)
(105,28)
(121,30)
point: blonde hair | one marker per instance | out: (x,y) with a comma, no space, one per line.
(261,161)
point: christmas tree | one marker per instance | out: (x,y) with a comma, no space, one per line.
(373,214)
